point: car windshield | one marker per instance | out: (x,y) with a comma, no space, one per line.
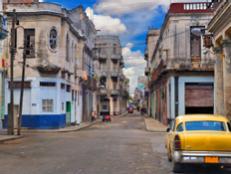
(205,126)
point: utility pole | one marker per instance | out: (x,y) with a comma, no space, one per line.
(12,52)
(22,88)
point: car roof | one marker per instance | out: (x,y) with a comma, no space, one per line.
(201,117)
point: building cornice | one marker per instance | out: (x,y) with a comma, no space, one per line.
(49,13)
(221,17)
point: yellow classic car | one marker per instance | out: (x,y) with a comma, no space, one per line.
(199,139)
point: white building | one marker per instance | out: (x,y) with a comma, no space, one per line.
(57,39)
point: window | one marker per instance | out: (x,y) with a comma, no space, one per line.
(29,39)
(205,126)
(195,43)
(114,49)
(17,85)
(229,127)
(68,88)
(73,95)
(104,107)
(47,105)
(103,81)
(180,128)
(53,38)
(47,84)
(63,86)
(67,48)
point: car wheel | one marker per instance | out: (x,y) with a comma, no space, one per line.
(177,168)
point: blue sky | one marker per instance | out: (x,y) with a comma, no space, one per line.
(130,19)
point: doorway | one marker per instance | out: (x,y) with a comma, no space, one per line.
(68,113)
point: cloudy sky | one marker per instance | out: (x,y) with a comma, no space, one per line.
(130,19)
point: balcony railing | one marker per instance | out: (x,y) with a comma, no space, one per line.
(99,56)
(190,64)
(103,73)
(115,74)
(115,92)
(183,64)
(116,57)
(103,91)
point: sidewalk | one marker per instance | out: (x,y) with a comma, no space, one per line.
(154,125)
(4,137)
(63,130)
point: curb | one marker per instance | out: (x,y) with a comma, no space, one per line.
(80,128)
(121,115)
(157,131)
(2,141)
(74,129)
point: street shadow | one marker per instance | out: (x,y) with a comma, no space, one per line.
(206,170)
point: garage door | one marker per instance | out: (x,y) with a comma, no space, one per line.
(199,95)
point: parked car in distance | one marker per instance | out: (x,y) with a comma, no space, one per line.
(130,110)
(199,139)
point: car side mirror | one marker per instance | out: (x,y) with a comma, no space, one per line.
(168,129)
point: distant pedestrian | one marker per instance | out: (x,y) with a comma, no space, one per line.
(93,116)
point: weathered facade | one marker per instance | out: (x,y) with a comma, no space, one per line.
(111,80)
(59,46)
(220,27)
(151,40)
(182,68)
(3,35)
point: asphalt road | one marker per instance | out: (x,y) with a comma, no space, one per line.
(122,147)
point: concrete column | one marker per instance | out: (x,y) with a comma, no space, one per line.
(219,83)
(111,106)
(227,77)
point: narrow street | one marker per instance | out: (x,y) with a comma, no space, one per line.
(122,147)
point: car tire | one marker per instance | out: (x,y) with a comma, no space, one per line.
(177,168)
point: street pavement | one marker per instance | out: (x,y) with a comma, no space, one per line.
(154,125)
(121,147)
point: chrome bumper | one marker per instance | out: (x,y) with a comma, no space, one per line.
(198,157)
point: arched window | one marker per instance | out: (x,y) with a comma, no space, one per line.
(67,48)
(53,38)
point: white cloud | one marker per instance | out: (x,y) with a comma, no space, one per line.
(106,24)
(121,7)
(132,58)
(135,65)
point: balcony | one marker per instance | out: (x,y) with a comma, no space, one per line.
(116,57)
(178,64)
(194,64)
(115,74)
(115,93)
(99,56)
(48,69)
(103,73)
(103,91)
